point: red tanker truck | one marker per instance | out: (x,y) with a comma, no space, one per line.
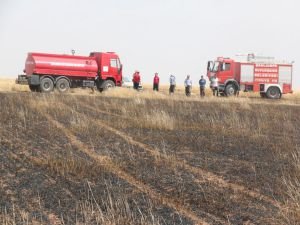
(46,72)
(270,77)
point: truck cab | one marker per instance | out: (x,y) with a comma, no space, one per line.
(109,67)
(224,72)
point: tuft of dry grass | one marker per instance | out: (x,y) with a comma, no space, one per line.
(156,119)
(111,211)
(71,165)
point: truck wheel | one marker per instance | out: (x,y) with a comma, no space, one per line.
(107,85)
(230,90)
(273,93)
(62,85)
(34,88)
(46,85)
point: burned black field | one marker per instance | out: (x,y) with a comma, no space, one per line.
(75,159)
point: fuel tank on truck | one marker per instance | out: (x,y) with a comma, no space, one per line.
(67,65)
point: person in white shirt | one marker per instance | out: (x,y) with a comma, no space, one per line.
(172,84)
(188,85)
(214,86)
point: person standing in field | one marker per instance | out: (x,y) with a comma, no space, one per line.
(156,82)
(172,84)
(188,85)
(136,80)
(202,83)
(214,86)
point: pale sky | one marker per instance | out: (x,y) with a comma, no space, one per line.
(165,36)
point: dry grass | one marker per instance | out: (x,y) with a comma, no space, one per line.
(89,211)
(70,164)
(290,213)
(7,85)
(157,119)
(10,85)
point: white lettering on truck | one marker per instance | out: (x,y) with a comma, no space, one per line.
(61,64)
(66,64)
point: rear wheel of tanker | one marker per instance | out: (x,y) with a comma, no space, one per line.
(34,88)
(108,84)
(273,93)
(46,85)
(230,90)
(62,85)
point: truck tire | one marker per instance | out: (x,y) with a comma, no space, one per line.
(230,90)
(107,85)
(34,88)
(273,93)
(46,85)
(62,85)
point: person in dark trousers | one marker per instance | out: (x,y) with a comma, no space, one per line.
(156,82)
(202,83)
(188,85)
(136,80)
(172,84)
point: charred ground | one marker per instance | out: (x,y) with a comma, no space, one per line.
(72,159)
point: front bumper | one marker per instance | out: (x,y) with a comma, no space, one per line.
(221,87)
(22,79)
(33,80)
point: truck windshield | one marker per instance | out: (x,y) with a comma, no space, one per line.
(119,66)
(216,66)
(210,65)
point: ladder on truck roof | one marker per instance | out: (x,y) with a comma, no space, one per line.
(252,58)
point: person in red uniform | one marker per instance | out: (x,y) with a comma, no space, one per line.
(156,82)
(136,80)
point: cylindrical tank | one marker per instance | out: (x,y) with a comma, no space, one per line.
(67,65)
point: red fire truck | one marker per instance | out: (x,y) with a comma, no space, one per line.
(270,77)
(44,72)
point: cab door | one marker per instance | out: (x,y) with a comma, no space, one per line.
(226,71)
(115,70)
